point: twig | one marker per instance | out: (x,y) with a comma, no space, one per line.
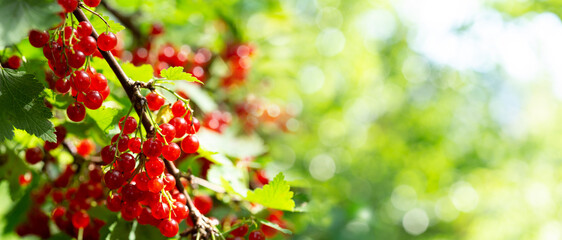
(201,223)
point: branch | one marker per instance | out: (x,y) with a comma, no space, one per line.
(202,223)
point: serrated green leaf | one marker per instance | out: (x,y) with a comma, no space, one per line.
(22,107)
(104,116)
(177,73)
(20,16)
(100,25)
(142,73)
(234,180)
(275,226)
(276,194)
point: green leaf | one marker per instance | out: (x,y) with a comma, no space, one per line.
(22,107)
(100,25)
(177,73)
(148,232)
(20,16)
(276,194)
(142,73)
(121,229)
(275,226)
(105,116)
(233,179)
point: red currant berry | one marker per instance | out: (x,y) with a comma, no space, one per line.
(38,38)
(142,181)
(155,185)
(105,92)
(85,147)
(169,182)
(76,59)
(107,41)
(123,142)
(190,144)
(131,210)
(154,167)
(171,152)
(193,127)
(130,125)
(146,217)
(152,148)
(84,29)
(14,62)
(87,45)
(126,162)
(135,145)
(113,179)
(62,85)
(99,82)
(34,155)
(240,231)
(68,5)
(180,125)
(80,219)
(169,132)
(168,227)
(160,210)
(114,202)
(203,203)
(156,29)
(93,100)
(92,3)
(80,80)
(256,235)
(178,109)
(76,112)
(108,154)
(154,101)
(130,193)
(25,179)
(179,211)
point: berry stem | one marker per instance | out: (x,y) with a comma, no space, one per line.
(93,12)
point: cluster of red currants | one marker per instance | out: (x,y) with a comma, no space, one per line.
(217,120)
(144,190)
(238,58)
(67,49)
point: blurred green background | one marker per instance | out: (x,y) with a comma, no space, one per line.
(416,119)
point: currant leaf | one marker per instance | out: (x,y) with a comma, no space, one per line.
(177,73)
(142,73)
(276,194)
(100,25)
(20,16)
(22,107)
(105,116)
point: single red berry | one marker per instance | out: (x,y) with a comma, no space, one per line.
(85,147)
(62,85)
(107,41)
(114,202)
(93,100)
(126,162)
(81,80)
(99,82)
(168,227)
(135,145)
(14,62)
(123,143)
(76,59)
(180,125)
(34,155)
(203,203)
(87,45)
(179,211)
(131,210)
(169,132)
(190,144)
(68,5)
(154,167)
(84,29)
(154,101)
(256,235)
(25,179)
(169,182)
(178,109)
(142,181)
(105,92)
(38,38)
(155,185)
(146,217)
(113,179)
(130,125)
(76,112)
(193,126)
(108,154)
(171,152)
(240,231)
(156,29)
(92,3)
(80,219)
(180,198)
(152,148)
(130,193)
